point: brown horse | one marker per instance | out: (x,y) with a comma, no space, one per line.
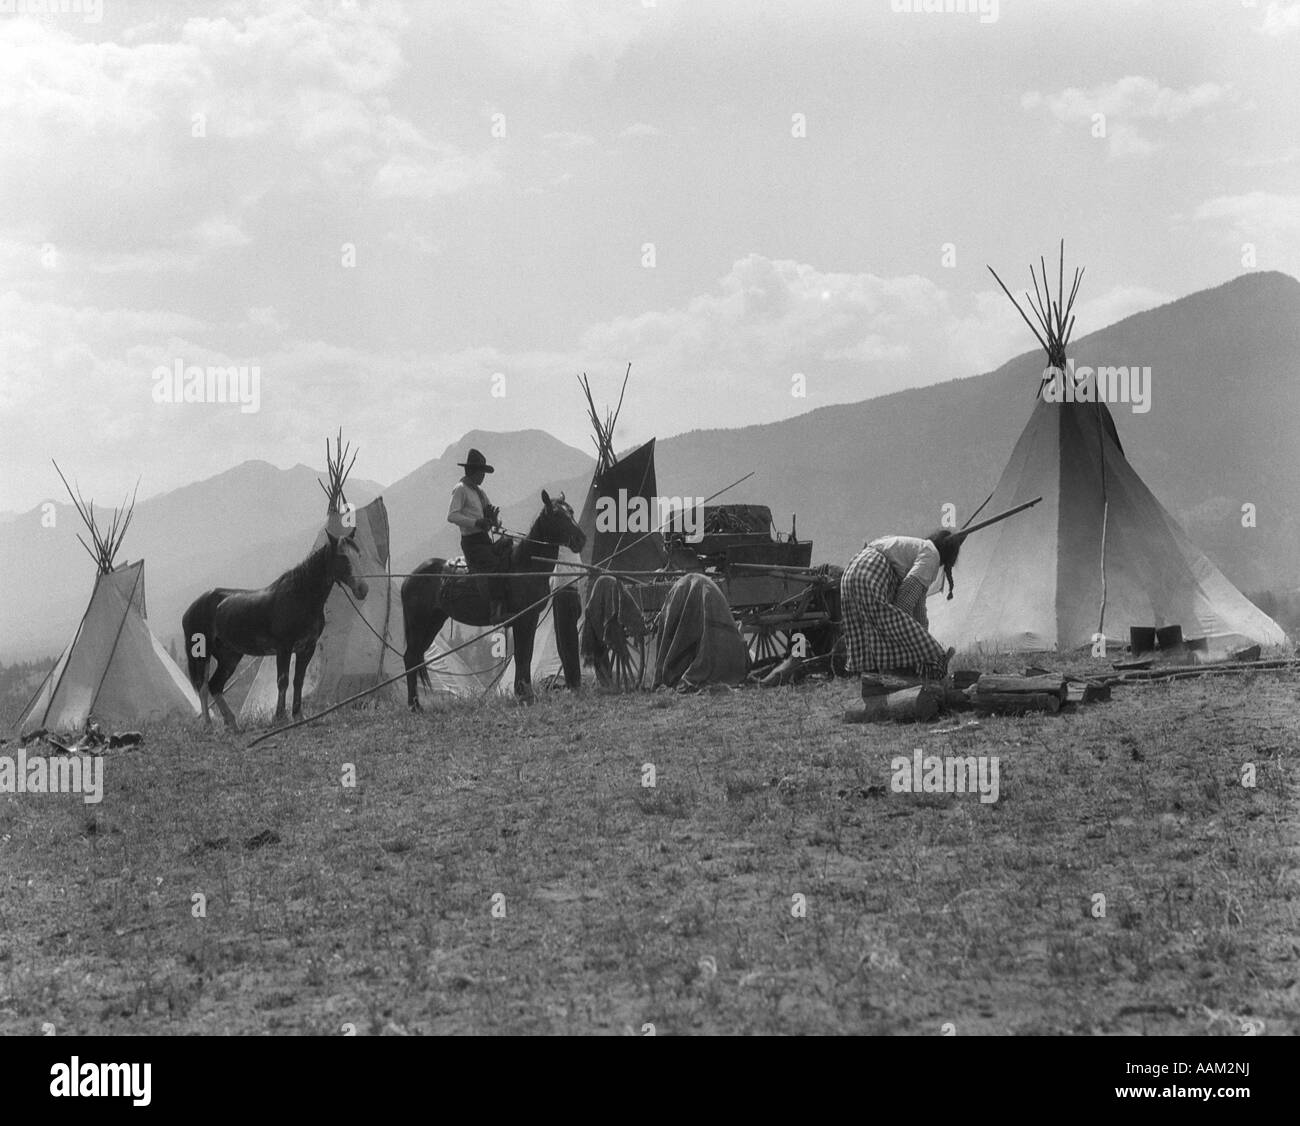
(430,597)
(285,618)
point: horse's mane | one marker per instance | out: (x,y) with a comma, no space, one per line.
(301,574)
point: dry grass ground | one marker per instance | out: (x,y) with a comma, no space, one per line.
(623,905)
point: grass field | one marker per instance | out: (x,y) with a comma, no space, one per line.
(498,869)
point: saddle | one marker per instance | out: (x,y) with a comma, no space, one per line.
(459,565)
(460,587)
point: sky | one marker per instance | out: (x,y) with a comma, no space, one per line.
(413,220)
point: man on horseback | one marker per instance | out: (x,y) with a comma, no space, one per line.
(475,516)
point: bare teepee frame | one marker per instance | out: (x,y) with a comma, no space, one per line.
(338,467)
(1055,318)
(104,542)
(603,432)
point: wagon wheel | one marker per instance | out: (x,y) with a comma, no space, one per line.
(625,658)
(766,643)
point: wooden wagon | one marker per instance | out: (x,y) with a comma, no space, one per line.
(782,604)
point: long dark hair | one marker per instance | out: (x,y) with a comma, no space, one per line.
(948,544)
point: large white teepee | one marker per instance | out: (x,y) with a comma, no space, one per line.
(114,670)
(361,645)
(1100,553)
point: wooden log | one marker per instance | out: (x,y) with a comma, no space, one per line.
(1016,702)
(1087,691)
(913,704)
(1034,685)
(964,678)
(955,700)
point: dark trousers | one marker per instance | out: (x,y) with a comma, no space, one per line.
(481,555)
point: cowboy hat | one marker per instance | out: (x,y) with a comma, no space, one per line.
(475,461)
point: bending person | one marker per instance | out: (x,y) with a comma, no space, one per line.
(882,599)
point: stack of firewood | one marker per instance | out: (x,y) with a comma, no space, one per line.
(993,693)
(905,699)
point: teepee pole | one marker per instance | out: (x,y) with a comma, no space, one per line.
(1000,516)
(1105,516)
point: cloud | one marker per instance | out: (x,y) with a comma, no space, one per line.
(569,140)
(1125,102)
(266,317)
(1279,159)
(217,233)
(157,151)
(1281,19)
(1268,220)
(726,355)
(1253,212)
(428,175)
(641,129)
(1116,304)
(551,38)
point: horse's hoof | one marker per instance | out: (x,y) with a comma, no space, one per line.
(414,705)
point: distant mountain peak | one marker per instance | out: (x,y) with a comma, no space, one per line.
(531,441)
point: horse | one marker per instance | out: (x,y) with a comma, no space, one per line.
(431,595)
(285,618)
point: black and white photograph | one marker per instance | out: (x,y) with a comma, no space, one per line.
(545,518)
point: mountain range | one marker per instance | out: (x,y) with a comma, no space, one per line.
(1220,435)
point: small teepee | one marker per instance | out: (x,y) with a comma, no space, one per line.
(362,642)
(1100,554)
(114,671)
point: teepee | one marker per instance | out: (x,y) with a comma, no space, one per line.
(1100,554)
(114,670)
(361,645)
(633,474)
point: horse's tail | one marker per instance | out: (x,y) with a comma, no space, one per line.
(195,623)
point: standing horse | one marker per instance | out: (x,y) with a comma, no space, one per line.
(430,596)
(285,618)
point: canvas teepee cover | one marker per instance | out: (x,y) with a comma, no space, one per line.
(624,551)
(1099,554)
(114,670)
(487,664)
(634,475)
(1035,581)
(362,642)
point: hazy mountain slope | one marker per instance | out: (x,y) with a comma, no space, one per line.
(230,526)
(240,528)
(526,461)
(1221,433)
